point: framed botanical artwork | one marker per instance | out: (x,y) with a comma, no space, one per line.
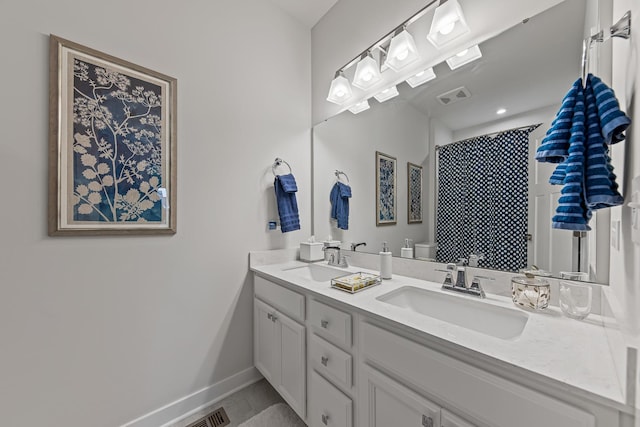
(112,145)
(386,182)
(414,193)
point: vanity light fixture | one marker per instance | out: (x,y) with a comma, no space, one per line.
(360,107)
(402,51)
(422,77)
(501,111)
(340,90)
(448,24)
(464,57)
(367,72)
(387,94)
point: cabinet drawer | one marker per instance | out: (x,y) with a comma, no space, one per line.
(285,300)
(329,407)
(332,323)
(330,360)
(486,397)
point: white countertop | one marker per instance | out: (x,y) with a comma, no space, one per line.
(551,347)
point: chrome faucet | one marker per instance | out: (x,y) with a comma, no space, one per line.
(335,256)
(354,246)
(460,284)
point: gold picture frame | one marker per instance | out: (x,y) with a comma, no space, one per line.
(112,145)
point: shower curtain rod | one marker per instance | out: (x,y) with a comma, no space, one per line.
(534,126)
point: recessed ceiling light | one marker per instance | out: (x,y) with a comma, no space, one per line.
(501,111)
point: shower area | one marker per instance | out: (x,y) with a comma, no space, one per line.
(483,199)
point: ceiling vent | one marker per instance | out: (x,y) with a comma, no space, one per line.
(454,96)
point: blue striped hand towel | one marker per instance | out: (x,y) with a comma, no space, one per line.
(612,121)
(600,185)
(555,145)
(572,212)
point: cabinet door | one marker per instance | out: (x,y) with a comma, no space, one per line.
(291,336)
(266,348)
(328,406)
(450,420)
(388,403)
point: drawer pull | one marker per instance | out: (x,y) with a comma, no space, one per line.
(324,360)
(325,419)
(324,324)
(272,317)
(427,421)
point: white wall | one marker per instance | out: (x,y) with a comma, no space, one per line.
(99,331)
(348,143)
(625,261)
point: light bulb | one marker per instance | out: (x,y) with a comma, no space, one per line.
(501,111)
(420,74)
(463,53)
(447,28)
(402,55)
(367,77)
(340,93)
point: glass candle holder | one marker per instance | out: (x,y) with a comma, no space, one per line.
(575,300)
(530,292)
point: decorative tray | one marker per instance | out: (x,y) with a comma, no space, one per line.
(355,282)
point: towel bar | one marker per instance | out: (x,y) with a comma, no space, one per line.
(621,29)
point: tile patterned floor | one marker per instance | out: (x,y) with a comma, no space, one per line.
(241,405)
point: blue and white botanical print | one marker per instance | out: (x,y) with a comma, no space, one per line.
(117,146)
(387,199)
(415,194)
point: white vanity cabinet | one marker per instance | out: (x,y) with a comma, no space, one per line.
(484,398)
(360,370)
(280,342)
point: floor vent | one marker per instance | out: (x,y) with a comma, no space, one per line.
(217,418)
(454,95)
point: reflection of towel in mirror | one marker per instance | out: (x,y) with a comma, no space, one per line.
(285,186)
(339,197)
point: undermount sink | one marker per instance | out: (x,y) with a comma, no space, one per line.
(479,316)
(317,273)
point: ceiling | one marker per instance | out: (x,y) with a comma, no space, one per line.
(308,12)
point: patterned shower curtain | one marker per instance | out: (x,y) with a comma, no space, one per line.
(483,200)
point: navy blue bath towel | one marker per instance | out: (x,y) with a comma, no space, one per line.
(286,188)
(339,197)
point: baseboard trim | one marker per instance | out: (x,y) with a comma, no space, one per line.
(196,401)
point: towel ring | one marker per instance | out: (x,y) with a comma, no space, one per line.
(338,173)
(279,162)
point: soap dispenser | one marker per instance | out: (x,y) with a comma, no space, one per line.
(407,250)
(385,262)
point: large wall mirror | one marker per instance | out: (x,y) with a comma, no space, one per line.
(483,196)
